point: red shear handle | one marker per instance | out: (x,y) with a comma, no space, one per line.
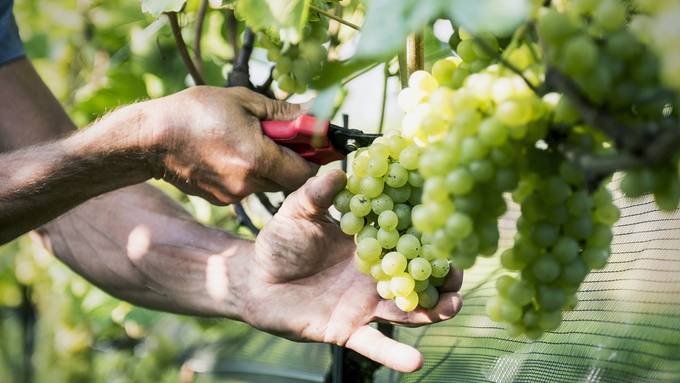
(306,136)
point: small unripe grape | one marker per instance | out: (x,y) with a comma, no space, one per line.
(419,268)
(393,263)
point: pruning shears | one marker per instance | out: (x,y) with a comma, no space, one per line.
(317,140)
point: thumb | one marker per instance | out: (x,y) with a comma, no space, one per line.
(316,195)
(374,345)
(265,108)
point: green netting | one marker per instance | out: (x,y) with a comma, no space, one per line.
(626,327)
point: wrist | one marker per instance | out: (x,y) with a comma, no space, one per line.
(239,274)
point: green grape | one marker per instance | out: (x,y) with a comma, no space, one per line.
(415,179)
(419,268)
(428,298)
(359,205)
(513,113)
(382,203)
(493,309)
(595,257)
(385,290)
(409,246)
(350,224)
(530,318)
(422,80)
(508,311)
(469,204)
(397,176)
(387,238)
(549,320)
(393,263)
(473,149)
(521,292)
(506,179)
(579,203)
(396,143)
(377,166)
(377,272)
(579,55)
(354,184)
(403,212)
(432,252)
(459,181)
(465,51)
(551,298)
(481,170)
(607,214)
(459,225)
(440,267)
(610,14)
(410,157)
(342,201)
(463,261)
(402,284)
(367,232)
(407,303)
(565,249)
(546,269)
(442,70)
(360,164)
(493,133)
(434,190)
(398,195)
(469,245)
(511,261)
(379,150)
(579,228)
(369,249)
(420,286)
(503,284)
(371,187)
(555,27)
(601,236)
(388,220)
(435,162)
(545,234)
(362,266)
(416,197)
(574,272)
(556,190)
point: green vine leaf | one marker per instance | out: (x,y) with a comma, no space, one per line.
(288,17)
(499,17)
(157,7)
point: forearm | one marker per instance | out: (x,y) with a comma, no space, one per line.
(41,182)
(139,246)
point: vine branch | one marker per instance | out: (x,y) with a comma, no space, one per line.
(334,17)
(415,52)
(198,58)
(182,47)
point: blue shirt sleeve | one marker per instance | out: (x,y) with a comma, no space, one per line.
(11,47)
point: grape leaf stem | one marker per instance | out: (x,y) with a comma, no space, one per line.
(183,51)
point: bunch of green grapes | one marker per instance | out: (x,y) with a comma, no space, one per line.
(376,208)
(564,232)
(297,64)
(591,42)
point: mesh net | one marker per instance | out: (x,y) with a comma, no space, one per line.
(625,328)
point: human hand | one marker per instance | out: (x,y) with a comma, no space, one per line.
(303,283)
(210,144)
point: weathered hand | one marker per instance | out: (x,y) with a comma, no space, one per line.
(211,144)
(304,284)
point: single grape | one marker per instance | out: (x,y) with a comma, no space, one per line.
(422,80)
(360,164)
(379,150)
(362,266)
(521,292)
(387,238)
(415,179)
(371,187)
(601,236)
(410,157)
(459,225)
(342,201)
(397,176)
(402,284)
(595,257)
(409,246)
(493,133)
(359,205)
(369,249)
(350,224)
(481,170)
(407,303)
(545,234)
(574,272)
(551,298)
(354,184)
(440,267)
(459,181)
(428,298)
(419,268)
(388,220)
(546,269)
(367,232)
(403,212)
(549,320)
(377,166)
(377,272)
(393,263)
(509,311)
(420,286)
(382,203)
(398,195)
(566,249)
(385,290)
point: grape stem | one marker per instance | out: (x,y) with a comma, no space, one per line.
(386,77)
(200,20)
(182,47)
(415,52)
(334,17)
